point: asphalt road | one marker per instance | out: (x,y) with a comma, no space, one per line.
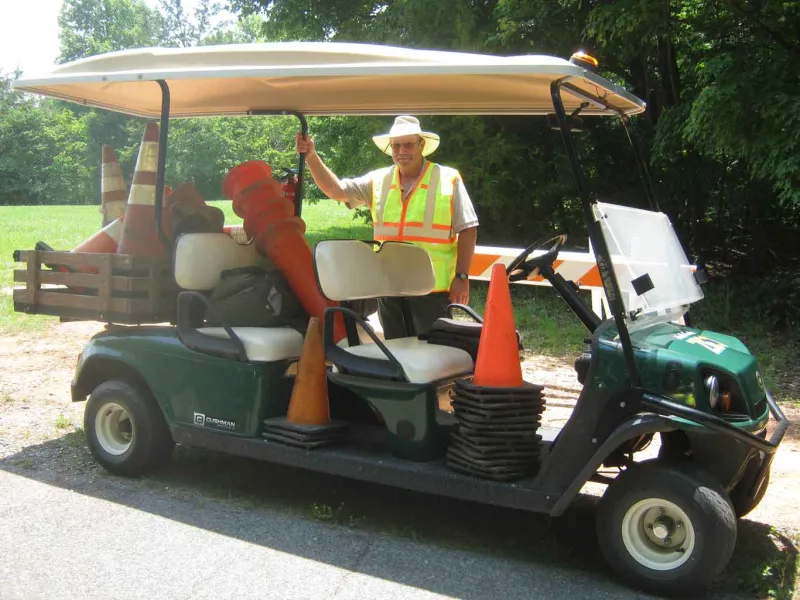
(113,538)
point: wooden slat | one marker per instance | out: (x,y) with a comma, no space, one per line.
(32,277)
(104,292)
(125,262)
(119,283)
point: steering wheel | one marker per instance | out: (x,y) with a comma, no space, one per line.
(521,268)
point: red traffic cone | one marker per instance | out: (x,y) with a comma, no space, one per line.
(114,193)
(139,235)
(498,350)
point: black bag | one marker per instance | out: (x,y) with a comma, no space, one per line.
(255,297)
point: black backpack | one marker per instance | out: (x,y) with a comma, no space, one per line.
(255,297)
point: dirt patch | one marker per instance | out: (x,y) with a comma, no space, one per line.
(35,406)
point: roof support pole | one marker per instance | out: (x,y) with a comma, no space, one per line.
(301,163)
(603,256)
(163,136)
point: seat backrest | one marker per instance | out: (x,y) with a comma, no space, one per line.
(201,257)
(354,270)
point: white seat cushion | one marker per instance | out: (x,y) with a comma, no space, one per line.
(264,344)
(422,362)
(201,257)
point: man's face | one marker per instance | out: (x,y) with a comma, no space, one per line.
(407,151)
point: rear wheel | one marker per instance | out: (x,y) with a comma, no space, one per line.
(669,530)
(125,429)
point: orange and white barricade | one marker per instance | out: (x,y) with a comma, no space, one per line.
(579,267)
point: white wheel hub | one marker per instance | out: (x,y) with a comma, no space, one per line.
(113,428)
(658,534)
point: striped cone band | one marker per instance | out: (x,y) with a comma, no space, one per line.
(104,241)
(143,186)
(139,235)
(114,193)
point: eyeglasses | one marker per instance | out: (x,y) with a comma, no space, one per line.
(396,147)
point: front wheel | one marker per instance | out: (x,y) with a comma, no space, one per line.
(669,530)
(125,429)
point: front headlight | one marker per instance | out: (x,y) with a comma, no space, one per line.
(712,385)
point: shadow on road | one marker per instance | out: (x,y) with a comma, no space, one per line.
(764,563)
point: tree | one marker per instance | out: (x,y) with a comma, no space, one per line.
(89,27)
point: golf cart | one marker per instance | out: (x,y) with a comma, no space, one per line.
(666,524)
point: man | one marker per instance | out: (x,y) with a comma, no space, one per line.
(414,201)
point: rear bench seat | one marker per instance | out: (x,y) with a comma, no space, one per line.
(353,270)
(199,260)
(399,378)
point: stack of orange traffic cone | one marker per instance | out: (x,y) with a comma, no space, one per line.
(498,414)
(112,186)
(269,219)
(308,420)
(498,363)
(139,235)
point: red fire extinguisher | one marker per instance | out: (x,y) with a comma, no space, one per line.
(289,184)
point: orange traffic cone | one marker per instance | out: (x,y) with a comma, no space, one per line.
(309,404)
(104,241)
(139,235)
(498,362)
(114,193)
(307,423)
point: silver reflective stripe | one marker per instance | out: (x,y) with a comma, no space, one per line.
(380,230)
(430,201)
(381,191)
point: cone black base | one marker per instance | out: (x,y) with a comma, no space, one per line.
(304,436)
(496,433)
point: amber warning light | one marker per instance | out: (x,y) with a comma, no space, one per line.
(584,60)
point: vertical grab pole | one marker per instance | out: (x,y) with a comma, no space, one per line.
(162,163)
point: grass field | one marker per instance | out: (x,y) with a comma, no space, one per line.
(544,320)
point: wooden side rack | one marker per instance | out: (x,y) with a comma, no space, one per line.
(110,288)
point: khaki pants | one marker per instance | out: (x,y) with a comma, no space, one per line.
(403,317)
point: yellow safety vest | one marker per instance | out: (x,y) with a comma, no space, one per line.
(425,219)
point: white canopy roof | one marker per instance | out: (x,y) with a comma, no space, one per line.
(319,78)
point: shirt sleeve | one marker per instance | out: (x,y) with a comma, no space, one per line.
(464,215)
(358,191)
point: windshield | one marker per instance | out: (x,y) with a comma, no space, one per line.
(643,245)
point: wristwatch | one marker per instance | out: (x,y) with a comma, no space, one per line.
(463,276)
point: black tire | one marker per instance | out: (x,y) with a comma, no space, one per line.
(133,436)
(654,494)
(745,497)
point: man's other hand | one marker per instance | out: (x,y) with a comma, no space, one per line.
(304,145)
(459,291)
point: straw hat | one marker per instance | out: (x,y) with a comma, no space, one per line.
(406,125)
